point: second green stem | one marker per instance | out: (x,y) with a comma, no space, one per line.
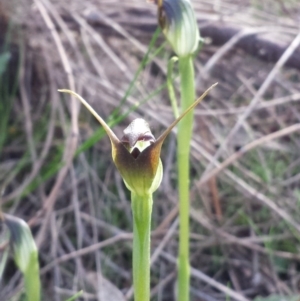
(187,85)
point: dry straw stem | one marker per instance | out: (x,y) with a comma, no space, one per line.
(257,98)
(39,161)
(101,42)
(250,243)
(87,250)
(246,188)
(212,282)
(119,29)
(228,46)
(71,142)
(58,19)
(281,133)
(295,97)
(27,113)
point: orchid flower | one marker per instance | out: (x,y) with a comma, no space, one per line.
(137,157)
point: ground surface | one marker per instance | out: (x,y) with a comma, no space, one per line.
(56,170)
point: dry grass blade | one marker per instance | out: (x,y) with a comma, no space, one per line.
(195,273)
(257,98)
(258,142)
(71,144)
(245,156)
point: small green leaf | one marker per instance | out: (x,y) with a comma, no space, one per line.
(75,296)
(4,59)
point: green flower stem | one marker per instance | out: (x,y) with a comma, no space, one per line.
(141,210)
(187,85)
(170,86)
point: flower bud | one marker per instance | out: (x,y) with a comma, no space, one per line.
(25,250)
(25,254)
(178,23)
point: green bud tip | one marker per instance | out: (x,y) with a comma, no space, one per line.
(179,25)
(25,249)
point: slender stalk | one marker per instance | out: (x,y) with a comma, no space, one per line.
(171,87)
(141,210)
(187,85)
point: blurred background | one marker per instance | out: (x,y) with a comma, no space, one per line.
(56,170)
